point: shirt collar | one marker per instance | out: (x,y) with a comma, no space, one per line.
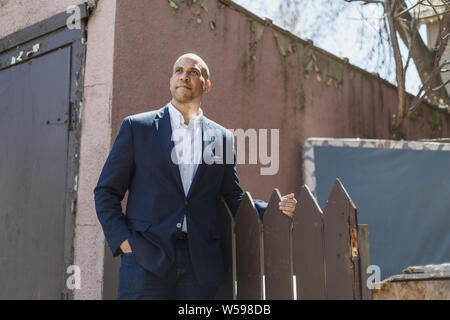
(178,119)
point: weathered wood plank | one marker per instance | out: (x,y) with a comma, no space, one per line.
(307,241)
(364,258)
(277,251)
(341,251)
(228,243)
(249,265)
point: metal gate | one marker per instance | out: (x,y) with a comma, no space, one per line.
(40,99)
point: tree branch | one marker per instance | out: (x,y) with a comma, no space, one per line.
(426,60)
(412,28)
(442,85)
(408,9)
(438,39)
(422,94)
(390,6)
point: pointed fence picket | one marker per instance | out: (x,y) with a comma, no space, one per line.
(314,255)
(249,260)
(277,251)
(228,244)
(308,252)
(340,243)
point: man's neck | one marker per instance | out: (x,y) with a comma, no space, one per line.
(188,110)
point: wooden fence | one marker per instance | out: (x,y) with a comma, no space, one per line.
(315,255)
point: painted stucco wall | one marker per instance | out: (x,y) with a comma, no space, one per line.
(89,240)
(261,78)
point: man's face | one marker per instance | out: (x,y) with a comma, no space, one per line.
(188,82)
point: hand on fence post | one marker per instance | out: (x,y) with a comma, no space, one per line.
(287,204)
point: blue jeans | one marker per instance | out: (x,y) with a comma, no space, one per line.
(137,283)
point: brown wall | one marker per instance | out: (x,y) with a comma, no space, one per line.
(277,89)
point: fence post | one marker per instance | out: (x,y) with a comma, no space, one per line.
(308,251)
(342,269)
(277,251)
(364,256)
(249,259)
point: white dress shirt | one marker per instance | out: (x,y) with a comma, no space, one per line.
(188,147)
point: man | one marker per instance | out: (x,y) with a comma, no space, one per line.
(169,237)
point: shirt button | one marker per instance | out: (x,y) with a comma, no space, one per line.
(178,225)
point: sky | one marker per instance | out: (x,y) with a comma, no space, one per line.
(343,38)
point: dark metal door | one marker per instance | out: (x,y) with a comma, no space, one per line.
(37,167)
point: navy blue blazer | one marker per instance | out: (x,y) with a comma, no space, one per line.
(140,162)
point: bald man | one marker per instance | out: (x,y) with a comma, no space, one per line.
(175,164)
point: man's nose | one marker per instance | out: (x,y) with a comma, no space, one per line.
(184,76)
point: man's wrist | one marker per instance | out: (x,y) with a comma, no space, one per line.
(125,246)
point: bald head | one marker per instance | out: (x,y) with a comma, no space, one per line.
(189,80)
(199,60)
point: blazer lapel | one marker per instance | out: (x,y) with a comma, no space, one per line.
(164,136)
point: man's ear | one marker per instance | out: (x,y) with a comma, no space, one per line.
(207,85)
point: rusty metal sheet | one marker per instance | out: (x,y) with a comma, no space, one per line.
(277,251)
(341,249)
(226,290)
(308,253)
(249,265)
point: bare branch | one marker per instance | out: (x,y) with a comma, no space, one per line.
(441,86)
(446,4)
(438,39)
(412,28)
(409,9)
(425,89)
(443,38)
(401,106)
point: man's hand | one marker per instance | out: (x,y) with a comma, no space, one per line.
(125,247)
(287,204)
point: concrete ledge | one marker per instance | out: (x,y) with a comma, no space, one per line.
(430,282)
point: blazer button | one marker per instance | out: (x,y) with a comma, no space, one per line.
(186,203)
(178,225)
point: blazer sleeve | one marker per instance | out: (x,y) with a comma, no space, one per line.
(231,190)
(113,182)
